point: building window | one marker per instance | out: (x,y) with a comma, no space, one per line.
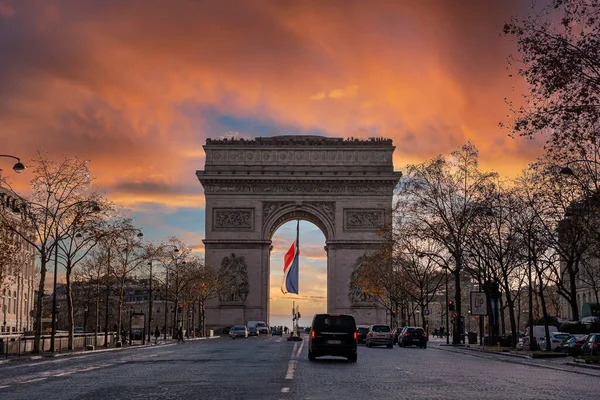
(8,308)
(15,303)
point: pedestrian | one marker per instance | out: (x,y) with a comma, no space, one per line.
(180,335)
(156,335)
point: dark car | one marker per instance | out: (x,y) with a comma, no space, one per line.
(572,346)
(591,345)
(396,333)
(276,331)
(412,335)
(361,334)
(253,331)
(333,335)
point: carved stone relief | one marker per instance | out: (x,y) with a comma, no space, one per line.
(269,207)
(355,293)
(363,219)
(225,218)
(233,276)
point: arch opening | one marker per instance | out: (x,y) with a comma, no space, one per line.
(312,288)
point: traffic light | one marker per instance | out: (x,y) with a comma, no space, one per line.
(451,305)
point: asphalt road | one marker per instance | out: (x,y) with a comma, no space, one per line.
(273,368)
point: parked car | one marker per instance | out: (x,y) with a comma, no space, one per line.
(573,345)
(226,329)
(591,345)
(333,335)
(380,335)
(396,333)
(238,331)
(556,339)
(261,326)
(412,335)
(361,334)
(253,331)
(276,331)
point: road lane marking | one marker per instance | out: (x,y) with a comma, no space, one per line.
(290,371)
(300,349)
(34,380)
(403,370)
(294,349)
(285,390)
(4,387)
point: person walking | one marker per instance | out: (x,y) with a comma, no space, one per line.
(180,335)
(156,335)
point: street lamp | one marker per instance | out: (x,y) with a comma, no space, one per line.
(139,235)
(444,265)
(94,208)
(175,251)
(18,167)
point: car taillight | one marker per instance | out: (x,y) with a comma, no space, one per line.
(312,334)
(424,335)
(407,334)
(595,345)
(555,341)
(355,335)
(370,333)
(578,344)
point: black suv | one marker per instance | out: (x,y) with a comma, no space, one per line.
(412,335)
(333,335)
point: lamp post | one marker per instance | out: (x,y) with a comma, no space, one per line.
(95,208)
(18,167)
(444,265)
(150,304)
(139,235)
(175,251)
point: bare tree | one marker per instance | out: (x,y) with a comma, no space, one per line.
(445,196)
(54,186)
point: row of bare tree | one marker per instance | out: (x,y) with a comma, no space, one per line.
(76,230)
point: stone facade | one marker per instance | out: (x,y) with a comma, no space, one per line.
(252,187)
(17,272)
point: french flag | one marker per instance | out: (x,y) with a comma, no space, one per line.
(291,265)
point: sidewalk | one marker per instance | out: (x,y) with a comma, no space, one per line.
(45,355)
(562,364)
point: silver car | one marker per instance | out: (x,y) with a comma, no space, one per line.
(380,335)
(238,331)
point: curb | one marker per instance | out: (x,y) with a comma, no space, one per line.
(101,350)
(584,365)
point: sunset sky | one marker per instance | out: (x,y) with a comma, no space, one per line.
(137,87)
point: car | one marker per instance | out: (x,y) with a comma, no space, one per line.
(412,335)
(238,331)
(591,345)
(573,345)
(253,331)
(380,335)
(226,329)
(333,335)
(276,331)
(396,333)
(556,339)
(361,334)
(260,325)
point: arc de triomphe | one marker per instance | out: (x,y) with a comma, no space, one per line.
(252,187)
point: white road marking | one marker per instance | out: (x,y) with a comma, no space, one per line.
(290,371)
(294,349)
(285,390)
(34,380)
(4,387)
(403,370)
(300,349)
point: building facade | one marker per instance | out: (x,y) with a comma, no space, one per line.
(17,269)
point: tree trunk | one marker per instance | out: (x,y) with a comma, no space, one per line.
(97,322)
(120,309)
(573,292)
(457,302)
(70,314)
(39,304)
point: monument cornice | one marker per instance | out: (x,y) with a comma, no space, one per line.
(356,187)
(300,140)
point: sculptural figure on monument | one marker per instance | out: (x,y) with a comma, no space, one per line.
(233,275)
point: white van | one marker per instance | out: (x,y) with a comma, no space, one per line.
(539,332)
(261,326)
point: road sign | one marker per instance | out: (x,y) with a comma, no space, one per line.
(426,311)
(454,314)
(478,303)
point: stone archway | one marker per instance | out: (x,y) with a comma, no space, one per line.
(252,187)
